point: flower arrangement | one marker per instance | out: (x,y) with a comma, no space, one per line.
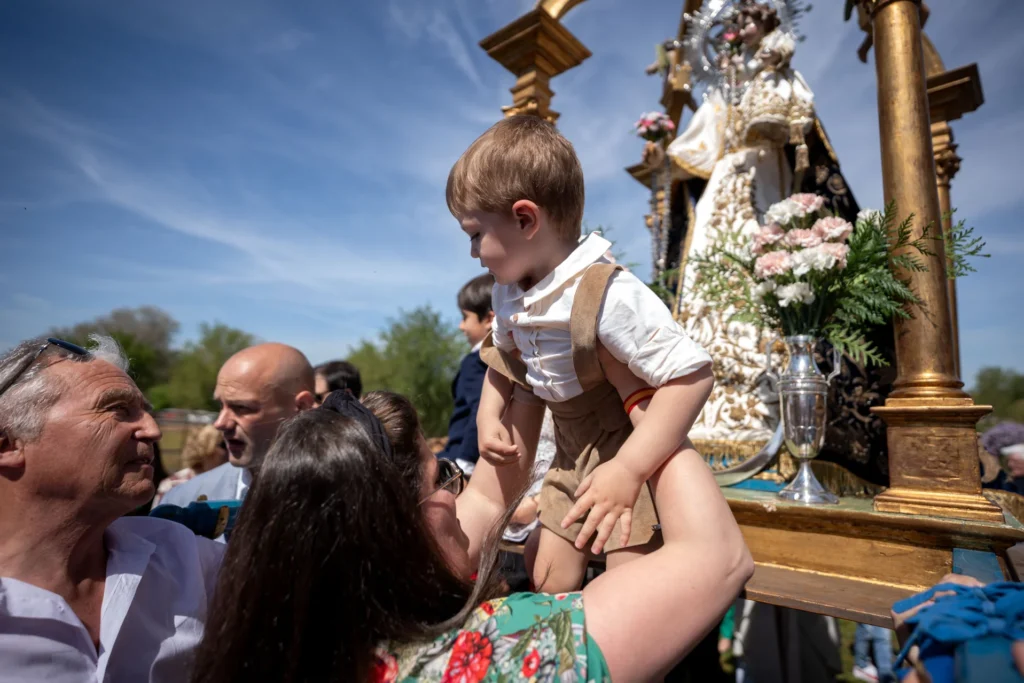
(807,272)
(654,126)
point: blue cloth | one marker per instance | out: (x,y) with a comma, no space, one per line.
(466,388)
(202,517)
(874,640)
(967,636)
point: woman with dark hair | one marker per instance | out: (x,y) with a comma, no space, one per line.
(355,555)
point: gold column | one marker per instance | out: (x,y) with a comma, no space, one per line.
(947,163)
(933,451)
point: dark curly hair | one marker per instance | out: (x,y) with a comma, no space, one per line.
(759,13)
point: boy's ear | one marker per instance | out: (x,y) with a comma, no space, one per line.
(12,455)
(487,319)
(527,215)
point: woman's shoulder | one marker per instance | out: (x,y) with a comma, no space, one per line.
(517,638)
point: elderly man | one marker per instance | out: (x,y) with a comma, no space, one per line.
(258,388)
(86,594)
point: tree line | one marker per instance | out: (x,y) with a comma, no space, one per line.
(416,355)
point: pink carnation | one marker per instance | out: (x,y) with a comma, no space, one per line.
(773,263)
(832,229)
(768,234)
(803,238)
(807,202)
(837,251)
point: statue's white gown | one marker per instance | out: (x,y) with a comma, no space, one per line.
(739,149)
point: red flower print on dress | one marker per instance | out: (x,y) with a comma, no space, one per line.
(470,660)
(488,608)
(531,663)
(385,669)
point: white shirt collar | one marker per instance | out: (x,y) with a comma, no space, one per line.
(589,251)
(128,555)
(244,479)
(476,347)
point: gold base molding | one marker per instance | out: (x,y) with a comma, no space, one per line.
(933,459)
(938,504)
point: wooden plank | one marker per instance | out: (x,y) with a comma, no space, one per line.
(861,601)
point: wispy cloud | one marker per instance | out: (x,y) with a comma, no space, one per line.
(415,21)
(249,163)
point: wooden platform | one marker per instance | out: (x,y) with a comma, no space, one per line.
(851,562)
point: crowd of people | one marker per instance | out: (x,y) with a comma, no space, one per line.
(359,554)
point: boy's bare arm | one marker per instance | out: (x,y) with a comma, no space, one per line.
(494,488)
(667,421)
(611,491)
(494,441)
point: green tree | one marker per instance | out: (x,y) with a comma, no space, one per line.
(417,356)
(1003,389)
(194,375)
(144,333)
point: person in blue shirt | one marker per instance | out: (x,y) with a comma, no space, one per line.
(475,304)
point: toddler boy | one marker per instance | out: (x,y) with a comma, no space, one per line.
(563,314)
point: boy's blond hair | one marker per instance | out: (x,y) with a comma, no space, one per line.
(521,157)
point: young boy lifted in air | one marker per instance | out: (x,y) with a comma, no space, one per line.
(564,314)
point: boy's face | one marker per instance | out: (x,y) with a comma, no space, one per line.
(500,244)
(474,327)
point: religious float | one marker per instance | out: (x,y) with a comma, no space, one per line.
(900,501)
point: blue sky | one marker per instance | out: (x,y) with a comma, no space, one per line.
(280,167)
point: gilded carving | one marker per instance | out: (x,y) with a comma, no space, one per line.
(947,164)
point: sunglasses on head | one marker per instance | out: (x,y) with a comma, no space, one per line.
(449,478)
(30,359)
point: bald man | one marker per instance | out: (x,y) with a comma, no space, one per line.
(258,388)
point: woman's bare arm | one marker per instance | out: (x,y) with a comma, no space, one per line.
(648,614)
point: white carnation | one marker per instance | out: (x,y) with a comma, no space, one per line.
(782,212)
(798,293)
(814,258)
(869,215)
(764,288)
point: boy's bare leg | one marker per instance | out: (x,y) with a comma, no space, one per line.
(617,558)
(558,567)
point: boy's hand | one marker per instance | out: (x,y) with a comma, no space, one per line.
(495,443)
(609,492)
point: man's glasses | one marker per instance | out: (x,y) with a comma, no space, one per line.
(30,359)
(449,478)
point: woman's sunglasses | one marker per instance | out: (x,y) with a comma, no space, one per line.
(449,478)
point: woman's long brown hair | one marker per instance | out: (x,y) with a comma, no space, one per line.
(332,556)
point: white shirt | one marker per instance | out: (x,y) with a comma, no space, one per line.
(634,326)
(160,578)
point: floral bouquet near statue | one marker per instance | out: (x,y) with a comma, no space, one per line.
(654,126)
(810,275)
(805,272)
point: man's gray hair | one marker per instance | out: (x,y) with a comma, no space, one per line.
(23,406)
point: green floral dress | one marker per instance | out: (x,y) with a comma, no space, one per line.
(524,637)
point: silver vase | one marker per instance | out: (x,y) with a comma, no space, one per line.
(803,404)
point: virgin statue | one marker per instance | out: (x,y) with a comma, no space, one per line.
(753,141)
